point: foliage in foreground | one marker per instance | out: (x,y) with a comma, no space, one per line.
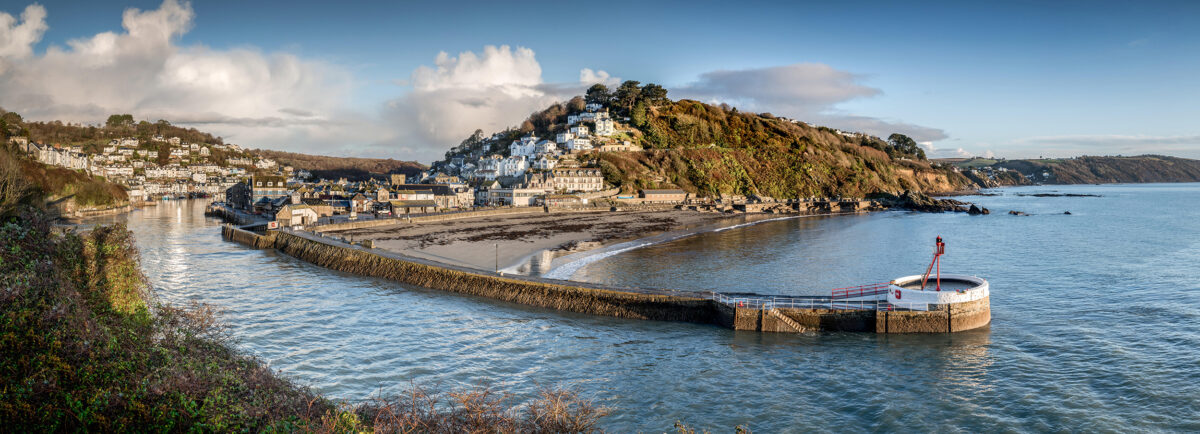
(85,346)
(82,348)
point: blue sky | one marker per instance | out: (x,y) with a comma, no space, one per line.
(1016,79)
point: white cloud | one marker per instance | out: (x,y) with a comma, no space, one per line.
(805,91)
(16,40)
(249,97)
(587,77)
(493,90)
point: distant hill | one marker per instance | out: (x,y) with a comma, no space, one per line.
(354,169)
(1088,169)
(1107,170)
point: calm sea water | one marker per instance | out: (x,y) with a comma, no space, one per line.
(1096,321)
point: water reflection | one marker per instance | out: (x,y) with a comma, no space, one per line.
(1058,355)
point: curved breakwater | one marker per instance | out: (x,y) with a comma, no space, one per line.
(636,303)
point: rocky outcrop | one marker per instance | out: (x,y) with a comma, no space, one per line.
(917,201)
(977,210)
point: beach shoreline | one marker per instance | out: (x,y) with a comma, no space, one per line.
(537,243)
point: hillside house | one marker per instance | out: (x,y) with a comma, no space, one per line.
(578,145)
(605,127)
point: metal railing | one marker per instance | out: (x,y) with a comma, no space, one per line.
(770,302)
(861,290)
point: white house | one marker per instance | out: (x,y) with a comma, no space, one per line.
(563,137)
(605,127)
(545,163)
(527,146)
(579,144)
(546,147)
(572,119)
(591,107)
(580,130)
(514,166)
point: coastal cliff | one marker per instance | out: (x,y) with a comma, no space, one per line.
(1108,170)
(991,173)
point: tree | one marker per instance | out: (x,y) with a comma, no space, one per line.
(164,155)
(638,115)
(576,104)
(12,118)
(475,138)
(627,94)
(598,94)
(119,120)
(654,94)
(902,144)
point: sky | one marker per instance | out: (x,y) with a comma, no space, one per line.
(1015,79)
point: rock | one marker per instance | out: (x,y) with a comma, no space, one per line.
(986,211)
(917,201)
(974,210)
(1066,212)
(1017,213)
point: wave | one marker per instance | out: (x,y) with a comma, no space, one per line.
(565,271)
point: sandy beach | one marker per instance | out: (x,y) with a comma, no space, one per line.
(513,240)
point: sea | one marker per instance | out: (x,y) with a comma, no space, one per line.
(1095,298)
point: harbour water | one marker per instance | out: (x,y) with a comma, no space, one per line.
(1096,321)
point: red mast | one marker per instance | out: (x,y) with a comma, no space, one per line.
(939,249)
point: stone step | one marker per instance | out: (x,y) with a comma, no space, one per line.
(796,327)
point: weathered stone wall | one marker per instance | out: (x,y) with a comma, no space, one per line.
(971,315)
(562,297)
(846,320)
(247,238)
(955,317)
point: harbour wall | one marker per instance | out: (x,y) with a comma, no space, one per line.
(616,302)
(621,304)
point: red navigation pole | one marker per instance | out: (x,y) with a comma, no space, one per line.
(938,250)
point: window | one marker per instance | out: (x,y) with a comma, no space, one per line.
(259,184)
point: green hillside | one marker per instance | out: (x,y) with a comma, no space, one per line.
(712,150)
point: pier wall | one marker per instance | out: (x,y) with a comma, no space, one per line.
(247,238)
(562,297)
(613,302)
